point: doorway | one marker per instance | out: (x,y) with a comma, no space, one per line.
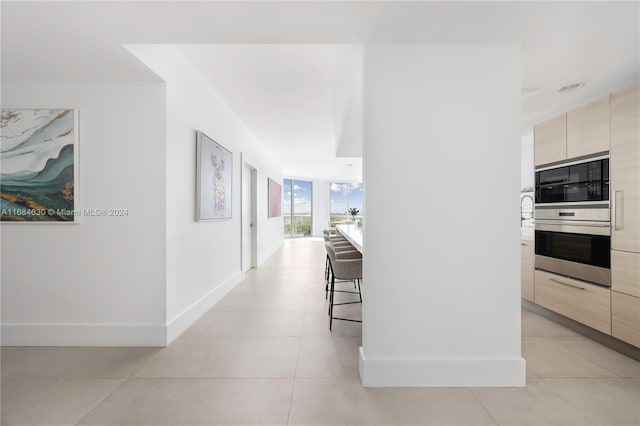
(249,217)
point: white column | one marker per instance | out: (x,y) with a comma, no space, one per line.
(321,206)
(442,243)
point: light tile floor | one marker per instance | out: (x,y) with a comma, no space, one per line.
(264,355)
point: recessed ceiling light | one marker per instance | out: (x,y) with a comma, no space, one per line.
(571,87)
(348,165)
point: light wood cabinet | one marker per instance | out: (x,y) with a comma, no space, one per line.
(550,140)
(608,124)
(625,215)
(589,129)
(625,272)
(526,283)
(625,170)
(625,319)
(580,301)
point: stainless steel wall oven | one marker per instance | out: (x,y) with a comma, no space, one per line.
(573,220)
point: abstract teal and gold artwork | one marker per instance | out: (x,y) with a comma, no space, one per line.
(38,167)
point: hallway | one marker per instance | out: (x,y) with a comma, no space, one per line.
(264,355)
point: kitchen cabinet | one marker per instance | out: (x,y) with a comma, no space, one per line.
(625,170)
(625,215)
(625,318)
(610,124)
(583,302)
(625,272)
(526,283)
(577,133)
(550,140)
(589,129)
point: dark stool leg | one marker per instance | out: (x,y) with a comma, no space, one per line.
(326,269)
(333,282)
(326,278)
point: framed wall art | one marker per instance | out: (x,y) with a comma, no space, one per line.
(39,165)
(214,179)
(275,198)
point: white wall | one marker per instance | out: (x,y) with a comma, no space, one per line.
(441,170)
(204,259)
(144,278)
(101,281)
(527,174)
(321,206)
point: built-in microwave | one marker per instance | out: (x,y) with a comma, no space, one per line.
(583,181)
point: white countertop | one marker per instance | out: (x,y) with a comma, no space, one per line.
(353,234)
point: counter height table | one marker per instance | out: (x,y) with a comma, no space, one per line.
(353,234)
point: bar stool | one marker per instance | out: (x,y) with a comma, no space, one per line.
(345,252)
(338,237)
(340,244)
(343,247)
(345,266)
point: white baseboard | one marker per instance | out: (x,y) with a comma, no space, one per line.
(443,372)
(264,254)
(184,320)
(83,335)
(115,334)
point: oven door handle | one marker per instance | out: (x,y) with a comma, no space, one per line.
(574,227)
(567,284)
(573,222)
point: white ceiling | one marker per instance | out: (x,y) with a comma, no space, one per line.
(299,97)
(293,97)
